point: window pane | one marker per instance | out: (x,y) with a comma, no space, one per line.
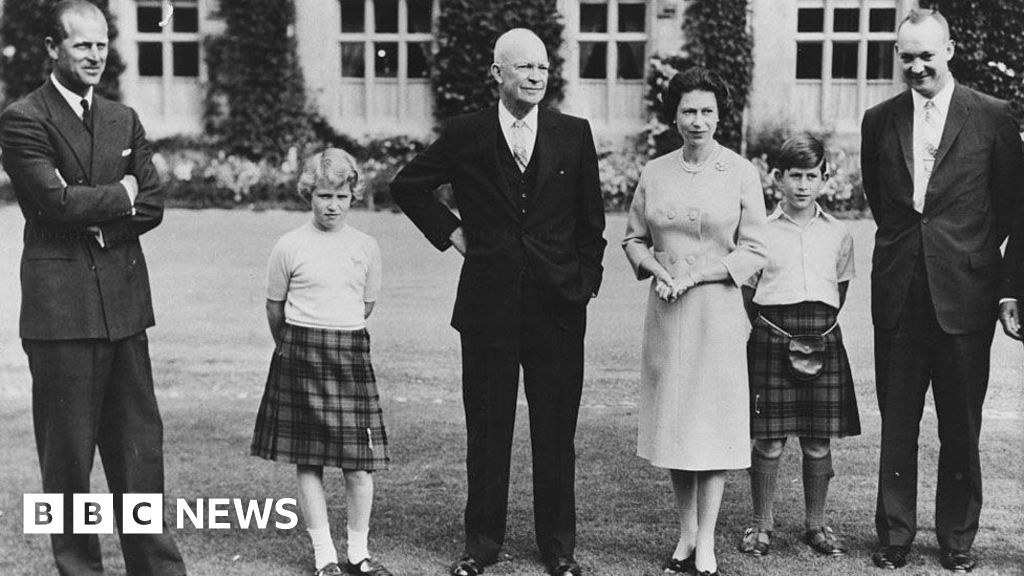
(844,60)
(186,59)
(593,17)
(353,15)
(808,60)
(632,17)
(151,59)
(385,15)
(148,18)
(631,60)
(846,20)
(353,64)
(419,59)
(882,20)
(385,59)
(593,58)
(419,15)
(810,20)
(185,19)
(880,57)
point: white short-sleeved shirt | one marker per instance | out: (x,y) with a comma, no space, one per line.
(324,278)
(805,263)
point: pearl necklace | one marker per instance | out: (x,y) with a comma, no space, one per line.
(698,167)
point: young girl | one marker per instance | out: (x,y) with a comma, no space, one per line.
(320,407)
(801,388)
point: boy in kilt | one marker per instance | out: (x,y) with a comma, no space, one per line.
(793,304)
(320,406)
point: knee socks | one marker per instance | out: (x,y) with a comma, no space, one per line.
(764,473)
(817,474)
(358,546)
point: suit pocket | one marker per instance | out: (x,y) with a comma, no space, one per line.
(49,252)
(984,259)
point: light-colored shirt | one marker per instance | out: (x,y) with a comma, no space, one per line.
(925,145)
(73,100)
(506,119)
(805,263)
(324,278)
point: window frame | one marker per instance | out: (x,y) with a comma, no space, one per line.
(167,37)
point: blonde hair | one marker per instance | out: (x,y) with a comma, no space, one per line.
(332,168)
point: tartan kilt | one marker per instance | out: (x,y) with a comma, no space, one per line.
(320,406)
(782,406)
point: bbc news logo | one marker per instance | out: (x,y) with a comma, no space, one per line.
(144,513)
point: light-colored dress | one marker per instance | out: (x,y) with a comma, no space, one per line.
(694,412)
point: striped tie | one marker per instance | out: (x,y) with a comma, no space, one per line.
(518,135)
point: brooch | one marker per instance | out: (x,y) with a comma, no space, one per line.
(720,166)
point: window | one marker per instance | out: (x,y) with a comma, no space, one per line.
(612,38)
(842,37)
(170,50)
(386,51)
(844,59)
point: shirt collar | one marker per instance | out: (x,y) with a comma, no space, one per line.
(779,213)
(73,100)
(505,118)
(942,99)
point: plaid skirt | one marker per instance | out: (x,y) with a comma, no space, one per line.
(320,406)
(782,406)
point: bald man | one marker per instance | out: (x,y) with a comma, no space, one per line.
(530,229)
(942,166)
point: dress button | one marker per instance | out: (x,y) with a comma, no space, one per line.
(924,220)
(671,259)
(671,215)
(690,259)
(693,215)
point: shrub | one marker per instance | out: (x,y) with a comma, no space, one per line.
(25,65)
(619,168)
(257,100)
(467,30)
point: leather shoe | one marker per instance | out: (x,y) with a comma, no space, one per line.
(957,561)
(891,557)
(564,566)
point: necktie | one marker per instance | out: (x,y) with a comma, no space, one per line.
(931,135)
(518,135)
(86,115)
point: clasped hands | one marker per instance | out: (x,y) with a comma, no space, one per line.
(669,288)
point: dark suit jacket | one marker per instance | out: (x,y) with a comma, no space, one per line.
(968,206)
(557,244)
(71,287)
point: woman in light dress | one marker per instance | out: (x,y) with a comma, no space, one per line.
(696,226)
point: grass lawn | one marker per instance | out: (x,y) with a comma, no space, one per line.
(211,348)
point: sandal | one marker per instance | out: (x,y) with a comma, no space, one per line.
(823,541)
(466,566)
(756,541)
(676,566)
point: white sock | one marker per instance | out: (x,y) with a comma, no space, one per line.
(323,547)
(358,546)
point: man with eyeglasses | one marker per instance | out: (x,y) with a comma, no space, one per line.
(530,229)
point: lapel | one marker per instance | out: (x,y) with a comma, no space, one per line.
(104,154)
(903,118)
(487,141)
(70,127)
(545,150)
(956,116)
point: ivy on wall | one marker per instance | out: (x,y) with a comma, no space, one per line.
(466,33)
(24,64)
(717,38)
(256,100)
(988,53)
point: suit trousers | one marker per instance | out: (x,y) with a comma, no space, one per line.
(99,393)
(548,344)
(907,358)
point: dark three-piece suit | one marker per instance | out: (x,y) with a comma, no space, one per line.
(533,260)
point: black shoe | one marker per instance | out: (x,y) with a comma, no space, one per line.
(367,566)
(891,557)
(564,566)
(331,569)
(466,566)
(957,561)
(676,566)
